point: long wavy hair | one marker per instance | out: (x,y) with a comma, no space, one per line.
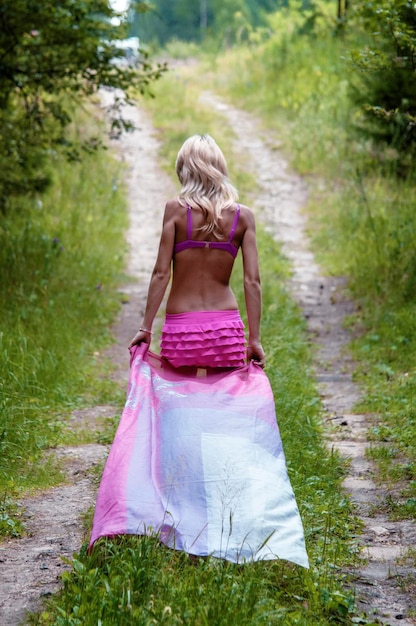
(202,170)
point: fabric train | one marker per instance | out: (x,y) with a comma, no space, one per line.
(197,460)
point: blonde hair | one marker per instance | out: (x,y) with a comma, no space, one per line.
(202,170)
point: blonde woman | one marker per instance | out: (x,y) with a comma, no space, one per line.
(197,459)
(202,232)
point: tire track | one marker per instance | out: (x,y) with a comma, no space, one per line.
(31,567)
(379,581)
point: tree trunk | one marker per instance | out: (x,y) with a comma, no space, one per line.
(343,8)
(203,17)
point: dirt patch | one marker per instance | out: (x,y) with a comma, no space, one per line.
(30,567)
(379,583)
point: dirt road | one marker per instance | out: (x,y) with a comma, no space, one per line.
(30,567)
(379,582)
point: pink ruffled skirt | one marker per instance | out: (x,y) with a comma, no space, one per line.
(204,339)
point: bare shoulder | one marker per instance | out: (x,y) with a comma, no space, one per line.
(174,209)
(246,216)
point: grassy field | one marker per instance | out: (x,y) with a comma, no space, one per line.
(361,220)
(135,580)
(61,258)
(58,290)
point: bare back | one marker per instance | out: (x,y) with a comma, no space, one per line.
(201,276)
(201,272)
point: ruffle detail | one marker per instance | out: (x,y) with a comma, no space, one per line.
(217,344)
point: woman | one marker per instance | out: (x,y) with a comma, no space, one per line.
(197,458)
(202,232)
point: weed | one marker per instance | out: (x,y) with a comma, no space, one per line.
(61,256)
(10,522)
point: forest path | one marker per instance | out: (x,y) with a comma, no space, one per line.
(30,567)
(325,304)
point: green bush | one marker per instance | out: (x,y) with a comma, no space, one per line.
(385,79)
(58,275)
(53,57)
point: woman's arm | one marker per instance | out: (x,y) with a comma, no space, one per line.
(160,277)
(252,290)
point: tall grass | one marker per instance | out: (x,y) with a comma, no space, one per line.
(60,259)
(136,580)
(298,87)
(362,217)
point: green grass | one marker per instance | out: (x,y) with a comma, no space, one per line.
(362,225)
(61,257)
(297,88)
(387,355)
(136,580)
(361,217)
(369,235)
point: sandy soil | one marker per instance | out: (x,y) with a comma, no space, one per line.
(30,567)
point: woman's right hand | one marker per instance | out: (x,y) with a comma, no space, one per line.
(142,336)
(256,353)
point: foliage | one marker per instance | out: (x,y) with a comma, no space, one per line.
(135,578)
(59,268)
(300,81)
(10,523)
(366,231)
(224,21)
(362,221)
(387,350)
(53,54)
(385,83)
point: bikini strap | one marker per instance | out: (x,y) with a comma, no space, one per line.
(189,222)
(235,222)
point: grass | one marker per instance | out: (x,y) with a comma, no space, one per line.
(136,580)
(361,218)
(298,88)
(367,233)
(386,351)
(362,226)
(61,256)
(53,298)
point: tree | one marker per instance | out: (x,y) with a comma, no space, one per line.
(192,20)
(342,9)
(385,85)
(52,54)
(168,20)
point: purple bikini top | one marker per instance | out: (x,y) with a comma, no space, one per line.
(228,246)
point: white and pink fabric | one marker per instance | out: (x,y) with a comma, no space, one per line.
(197,460)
